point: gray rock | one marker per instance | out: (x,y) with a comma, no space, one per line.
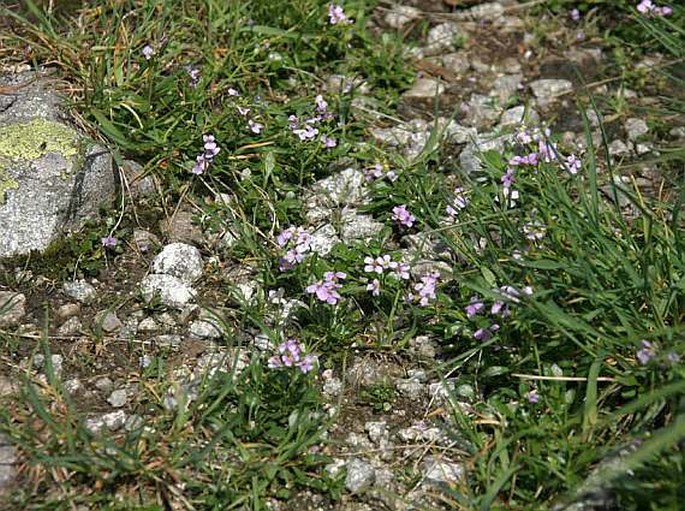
(355,226)
(114,420)
(52,179)
(518,115)
(171,290)
(367,372)
(442,38)
(144,240)
(73,386)
(480,111)
(147,325)
(108,321)
(346,188)
(139,183)
(441,472)
(399,15)
(12,309)
(457,62)
(635,128)
(168,340)
(332,387)
(469,158)
(68,310)
(70,327)
(181,228)
(179,260)
(360,476)
(678,132)
(422,432)
(104,384)
(8,457)
(79,290)
(424,88)
(618,148)
(378,431)
(548,89)
(118,398)
(487,11)
(456,133)
(423,346)
(506,86)
(411,389)
(206,329)
(38,362)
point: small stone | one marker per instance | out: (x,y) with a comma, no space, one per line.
(423,347)
(134,423)
(145,241)
(73,386)
(678,132)
(442,38)
(70,327)
(441,390)
(140,184)
(360,476)
(506,86)
(424,88)
(68,310)
(334,468)
(108,321)
(172,291)
(168,340)
(440,472)
(457,63)
(181,228)
(94,424)
(323,240)
(411,389)
(147,325)
(56,361)
(114,420)
(332,387)
(518,115)
(206,329)
(8,457)
(487,11)
(104,384)
(618,148)
(550,88)
(635,128)
(470,159)
(12,308)
(179,260)
(400,15)
(118,398)
(417,375)
(480,111)
(7,386)
(355,226)
(378,431)
(79,290)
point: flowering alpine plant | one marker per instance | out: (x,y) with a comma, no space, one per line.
(291,354)
(336,15)
(474,307)
(109,241)
(203,160)
(255,127)
(148,51)
(649,8)
(459,202)
(194,74)
(533,396)
(426,289)
(402,216)
(326,289)
(485,334)
(646,353)
(328,142)
(297,240)
(534,231)
(573,164)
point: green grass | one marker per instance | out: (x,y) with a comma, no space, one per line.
(602,282)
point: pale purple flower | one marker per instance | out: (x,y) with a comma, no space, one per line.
(533,396)
(499,308)
(321,104)
(575,14)
(459,202)
(307,363)
(201,165)
(534,231)
(242,110)
(485,334)
(374,286)
(401,215)
(336,15)
(426,288)
(148,51)
(645,7)
(293,122)
(474,307)
(306,133)
(210,146)
(508,177)
(530,159)
(328,142)
(255,127)
(646,353)
(547,151)
(290,355)
(573,164)
(109,241)
(391,176)
(375,172)
(194,74)
(377,265)
(401,271)
(326,289)
(232,92)
(523,136)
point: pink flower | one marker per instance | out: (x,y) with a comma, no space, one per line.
(336,15)
(402,216)
(374,286)
(255,127)
(328,142)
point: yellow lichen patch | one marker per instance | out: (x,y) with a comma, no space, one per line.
(6,183)
(31,140)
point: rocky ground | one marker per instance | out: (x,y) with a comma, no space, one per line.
(169,294)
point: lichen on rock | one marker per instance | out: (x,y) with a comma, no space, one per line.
(33,139)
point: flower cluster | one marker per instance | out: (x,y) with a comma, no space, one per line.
(459,202)
(291,354)
(648,351)
(297,241)
(499,308)
(194,75)
(307,130)
(337,16)
(109,241)
(148,51)
(211,149)
(379,265)
(425,289)
(326,290)
(649,8)
(402,216)
(378,171)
